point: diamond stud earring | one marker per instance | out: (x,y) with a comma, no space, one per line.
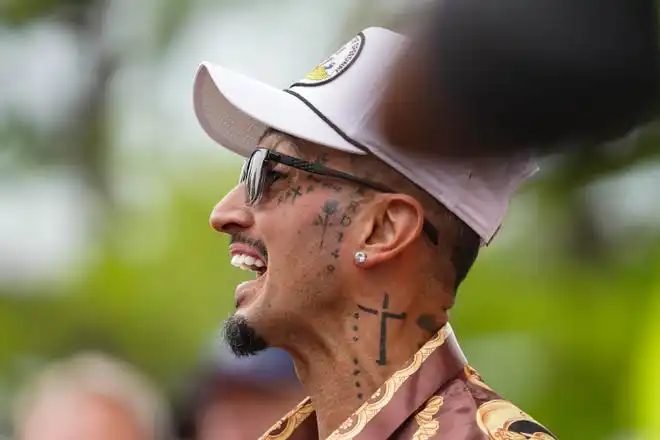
(360,257)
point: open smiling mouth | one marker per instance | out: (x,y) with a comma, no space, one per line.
(249,259)
(252,263)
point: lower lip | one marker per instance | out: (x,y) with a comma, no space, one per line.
(247,291)
(241,293)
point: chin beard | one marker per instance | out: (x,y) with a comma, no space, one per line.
(242,339)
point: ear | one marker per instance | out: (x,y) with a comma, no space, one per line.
(395,221)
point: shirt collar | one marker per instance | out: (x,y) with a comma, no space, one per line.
(438,361)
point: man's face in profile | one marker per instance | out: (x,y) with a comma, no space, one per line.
(299,239)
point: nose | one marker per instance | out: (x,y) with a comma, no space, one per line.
(231,214)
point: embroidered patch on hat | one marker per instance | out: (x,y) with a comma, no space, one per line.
(334,65)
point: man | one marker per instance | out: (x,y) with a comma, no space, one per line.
(91,396)
(358,249)
(264,386)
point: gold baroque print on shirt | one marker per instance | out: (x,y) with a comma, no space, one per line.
(474,377)
(502,420)
(427,426)
(283,429)
(356,423)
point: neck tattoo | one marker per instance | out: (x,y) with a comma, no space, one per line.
(385,314)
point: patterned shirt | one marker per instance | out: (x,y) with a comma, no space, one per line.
(435,395)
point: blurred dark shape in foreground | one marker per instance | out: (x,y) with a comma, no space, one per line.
(91,396)
(239,398)
(503,76)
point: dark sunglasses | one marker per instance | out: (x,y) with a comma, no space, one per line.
(257,175)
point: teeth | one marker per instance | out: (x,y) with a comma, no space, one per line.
(247,262)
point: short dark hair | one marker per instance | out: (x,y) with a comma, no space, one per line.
(459,243)
(465,248)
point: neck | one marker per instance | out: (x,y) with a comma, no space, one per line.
(349,359)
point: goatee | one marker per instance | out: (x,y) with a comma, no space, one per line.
(242,339)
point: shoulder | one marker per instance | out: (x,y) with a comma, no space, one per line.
(502,420)
(497,418)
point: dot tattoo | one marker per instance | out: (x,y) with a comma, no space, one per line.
(356,371)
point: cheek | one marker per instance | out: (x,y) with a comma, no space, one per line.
(306,241)
(288,224)
(305,235)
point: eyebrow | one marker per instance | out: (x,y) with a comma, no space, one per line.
(265,134)
(283,137)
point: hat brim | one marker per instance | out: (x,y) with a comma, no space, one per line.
(235,111)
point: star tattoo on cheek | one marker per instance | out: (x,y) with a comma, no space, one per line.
(292,193)
(295,193)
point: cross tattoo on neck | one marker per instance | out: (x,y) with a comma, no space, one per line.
(384,316)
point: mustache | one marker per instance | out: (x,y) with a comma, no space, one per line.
(252,242)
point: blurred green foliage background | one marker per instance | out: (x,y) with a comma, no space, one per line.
(561,314)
